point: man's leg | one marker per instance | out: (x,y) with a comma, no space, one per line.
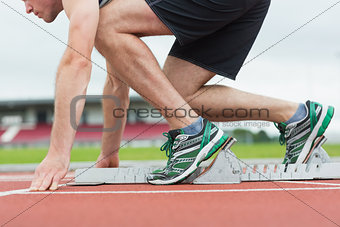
(121,21)
(299,129)
(109,156)
(117,40)
(222,101)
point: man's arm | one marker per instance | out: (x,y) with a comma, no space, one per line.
(72,80)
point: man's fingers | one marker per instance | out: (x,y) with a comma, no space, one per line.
(36,183)
(56,180)
(46,182)
(48,173)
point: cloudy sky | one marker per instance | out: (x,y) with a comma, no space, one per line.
(304,66)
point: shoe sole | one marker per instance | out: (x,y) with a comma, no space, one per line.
(320,128)
(316,144)
(199,158)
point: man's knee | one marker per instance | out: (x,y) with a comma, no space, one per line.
(106,41)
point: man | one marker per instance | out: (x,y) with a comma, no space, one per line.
(212,37)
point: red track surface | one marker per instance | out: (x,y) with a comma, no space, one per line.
(309,203)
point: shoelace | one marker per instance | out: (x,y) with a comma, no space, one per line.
(167,146)
(282,138)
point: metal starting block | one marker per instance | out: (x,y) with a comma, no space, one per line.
(226,168)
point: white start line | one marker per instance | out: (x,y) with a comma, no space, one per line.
(309,182)
(26,177)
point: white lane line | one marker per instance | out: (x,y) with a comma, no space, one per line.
(309,182)
(14,192)
(26,177)
(16,177)
(29,179)
(26,192)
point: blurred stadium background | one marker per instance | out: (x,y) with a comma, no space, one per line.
(27,123)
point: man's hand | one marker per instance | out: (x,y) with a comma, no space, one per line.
(107,161)
(49,173)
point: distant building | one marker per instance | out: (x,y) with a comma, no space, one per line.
(30,121)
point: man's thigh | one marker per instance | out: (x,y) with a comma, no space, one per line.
(130,17)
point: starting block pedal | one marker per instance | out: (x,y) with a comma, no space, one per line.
(226,168)
(317,166)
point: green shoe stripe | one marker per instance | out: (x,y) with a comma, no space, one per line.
(172,173)
(305,137)
(182,165)
(206,135)
(216,147)
(326,121)
(298,148)
(312,114)
(191,154)
(294,158)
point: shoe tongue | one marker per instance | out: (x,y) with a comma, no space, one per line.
(175,133)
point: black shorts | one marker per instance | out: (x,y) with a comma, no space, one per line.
(214,34)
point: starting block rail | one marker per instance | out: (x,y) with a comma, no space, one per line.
(226,168)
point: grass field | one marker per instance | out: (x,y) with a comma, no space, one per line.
(35,155)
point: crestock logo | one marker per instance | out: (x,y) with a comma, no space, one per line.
(119,113)
(73,112)
(226,114)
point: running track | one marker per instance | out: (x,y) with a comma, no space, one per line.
(299,203)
